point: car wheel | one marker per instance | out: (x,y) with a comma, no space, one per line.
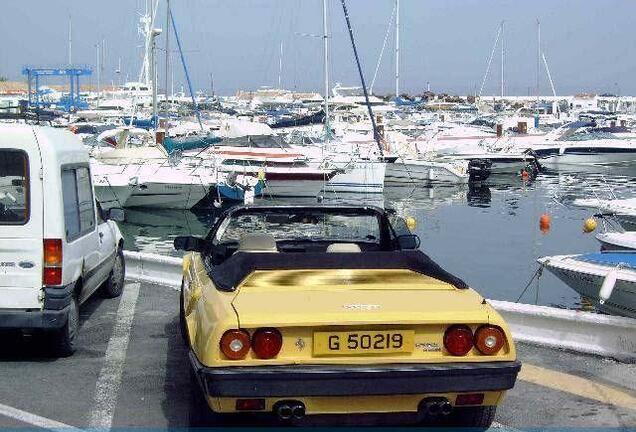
(474,417)
(199,413)
(182,321)
(63,339)
(114,285)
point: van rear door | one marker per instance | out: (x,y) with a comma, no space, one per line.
(21,219)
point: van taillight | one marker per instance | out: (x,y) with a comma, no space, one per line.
(52,269)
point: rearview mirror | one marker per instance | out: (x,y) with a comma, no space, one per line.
(408,242)
(115,214)
(189,243)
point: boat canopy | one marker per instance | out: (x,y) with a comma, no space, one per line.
(255,141)
(614,259)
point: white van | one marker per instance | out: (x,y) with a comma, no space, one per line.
(57,247)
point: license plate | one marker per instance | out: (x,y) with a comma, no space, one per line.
(363,342)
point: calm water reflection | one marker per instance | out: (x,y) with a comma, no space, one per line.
(488,235)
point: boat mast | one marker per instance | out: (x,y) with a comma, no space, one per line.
(168,54)
(280,66)
(153,67)
(397,48)
(325,37)
(538,59)
(70,40)
(185,71)
(503,53)
(167,66)
(98,71)
(376,135)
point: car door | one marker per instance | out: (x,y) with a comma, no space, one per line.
(82,238)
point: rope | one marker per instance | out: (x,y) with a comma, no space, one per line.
(537,274)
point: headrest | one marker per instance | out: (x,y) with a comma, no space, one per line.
(343,248)
(257,243)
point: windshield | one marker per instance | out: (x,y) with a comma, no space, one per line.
(301,226)
(14,186)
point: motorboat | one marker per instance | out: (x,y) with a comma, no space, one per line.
(574,145)
(285,171)
(617,240)
(606,278)
(406,171)
(143,167)
(623,210)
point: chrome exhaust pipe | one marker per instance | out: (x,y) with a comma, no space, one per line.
(284,412)
(446,408)
(298,411)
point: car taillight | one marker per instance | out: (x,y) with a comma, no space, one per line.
(489,339)
(458,340)
(52,268)
(235,344)
(267,343)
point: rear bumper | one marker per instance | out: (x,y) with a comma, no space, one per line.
(39,319)
(54,315)
(350,380)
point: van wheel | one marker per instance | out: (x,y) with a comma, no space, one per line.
(63,340)
(114,285)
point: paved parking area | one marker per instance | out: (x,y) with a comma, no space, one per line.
(131,370)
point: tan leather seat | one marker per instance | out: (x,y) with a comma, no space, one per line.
(257,243)
(343,248)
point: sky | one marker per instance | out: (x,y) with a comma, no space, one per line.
(588,44)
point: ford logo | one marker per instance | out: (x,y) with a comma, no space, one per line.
(26,264)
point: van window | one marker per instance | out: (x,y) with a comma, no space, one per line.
(79,210)
(14,187)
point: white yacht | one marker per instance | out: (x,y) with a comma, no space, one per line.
(144,171)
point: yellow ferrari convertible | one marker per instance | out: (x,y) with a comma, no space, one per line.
(310,312)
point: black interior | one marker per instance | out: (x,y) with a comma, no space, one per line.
(228,274)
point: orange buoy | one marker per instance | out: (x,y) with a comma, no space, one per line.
(544,223)
(525,174)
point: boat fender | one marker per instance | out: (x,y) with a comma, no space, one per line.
(608,285)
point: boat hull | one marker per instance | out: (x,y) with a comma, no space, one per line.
(167,195)
(293,188)
(407,173)
(361,177)
(590,159)
(587,279)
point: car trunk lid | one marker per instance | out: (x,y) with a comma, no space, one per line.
(352,297)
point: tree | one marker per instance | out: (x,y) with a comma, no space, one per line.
(3,78)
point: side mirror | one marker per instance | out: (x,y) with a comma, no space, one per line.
(189,243)
(408,242)
(115,214)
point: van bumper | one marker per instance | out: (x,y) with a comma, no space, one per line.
(39,319)
(54,315)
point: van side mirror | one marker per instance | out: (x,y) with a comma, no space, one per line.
(189,243)
(115,214)
(408,242)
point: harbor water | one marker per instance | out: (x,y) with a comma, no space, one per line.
(487,234)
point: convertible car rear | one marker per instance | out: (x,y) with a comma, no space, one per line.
(302,311)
